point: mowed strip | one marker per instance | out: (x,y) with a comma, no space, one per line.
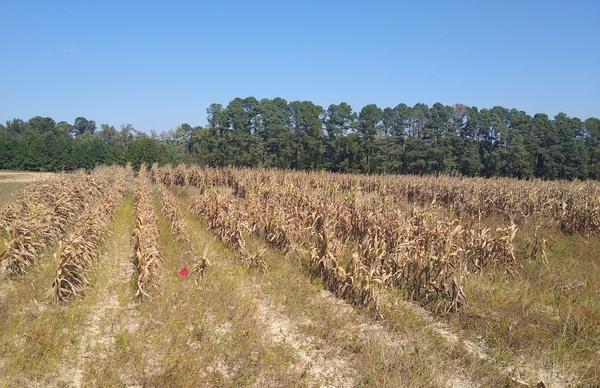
(113,313)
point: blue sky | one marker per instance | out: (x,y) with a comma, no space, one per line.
(158,64)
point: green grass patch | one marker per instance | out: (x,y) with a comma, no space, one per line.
(549,315)
(7,189)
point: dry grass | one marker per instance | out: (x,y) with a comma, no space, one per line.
(23,176)
(7,188)
(548,318)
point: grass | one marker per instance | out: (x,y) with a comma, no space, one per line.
(108,328)
(327,323)
(549,316)
(34,334)
(7,188)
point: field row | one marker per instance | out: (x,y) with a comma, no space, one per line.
(44,213)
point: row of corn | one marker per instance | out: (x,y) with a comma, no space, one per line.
(229,223)
(79,252)
(573,207)
(147,259)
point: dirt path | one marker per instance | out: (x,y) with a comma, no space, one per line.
(319,364)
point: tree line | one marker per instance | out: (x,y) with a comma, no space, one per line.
(41,144)
(302,135)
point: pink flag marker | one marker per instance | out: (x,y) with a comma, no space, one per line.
(184,273)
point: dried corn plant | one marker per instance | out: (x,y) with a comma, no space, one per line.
(365,234)
(78,253)
(172,212)
(572,206)
(147,259)
(536,247)
(46,222)
(42,193)
(228,222)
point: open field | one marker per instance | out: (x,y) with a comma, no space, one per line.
(23,176)
(11,181)
(224,278)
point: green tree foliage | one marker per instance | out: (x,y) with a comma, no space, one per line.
(211,145)
(339,121)
(90,151)
(42,124)
(592,145)
(126,135)
(306,122)
(37,155)
(12,150)
(83,125)
(145,150)
(109,134)
(302,135)
(245,143)
(274,129)
(16,128)
(59,148)
(369,123)
(210,149)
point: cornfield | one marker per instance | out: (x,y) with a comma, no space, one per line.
(357,244)
(362,234)
(445,243)
(174,215)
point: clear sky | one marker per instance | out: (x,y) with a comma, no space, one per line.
(158,64)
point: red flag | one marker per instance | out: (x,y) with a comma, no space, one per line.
(184,273)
